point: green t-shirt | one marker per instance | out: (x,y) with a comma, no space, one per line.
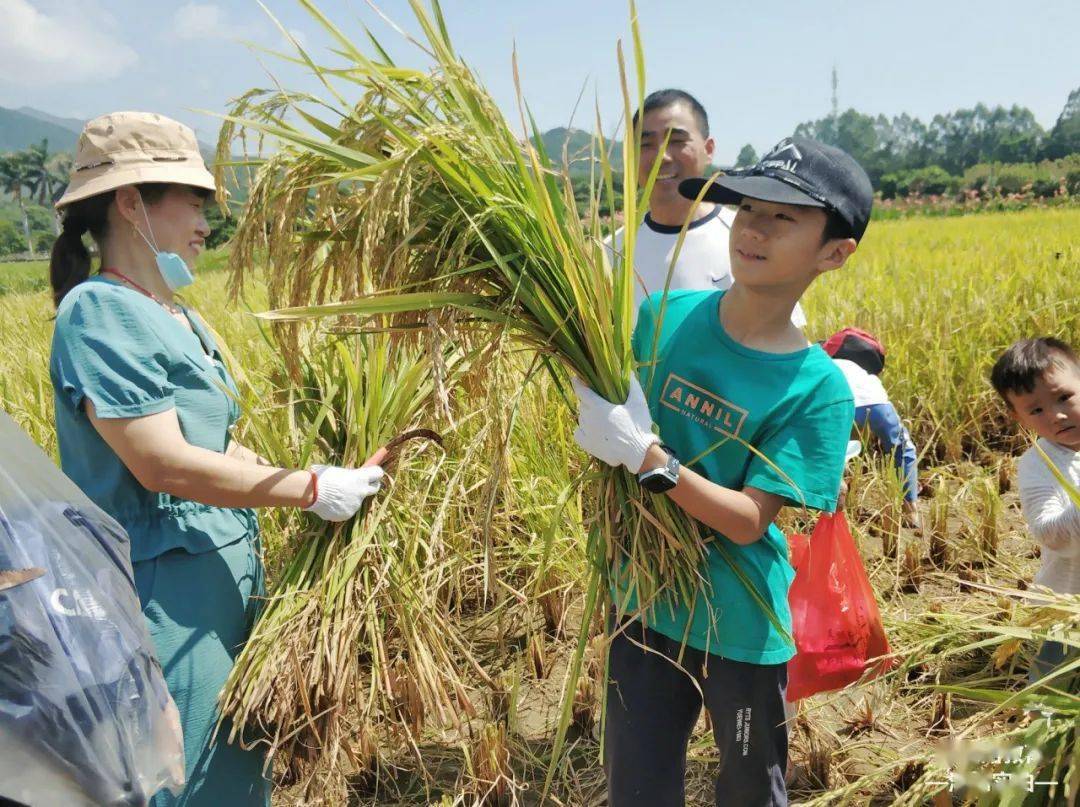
(129,356)
(793,408)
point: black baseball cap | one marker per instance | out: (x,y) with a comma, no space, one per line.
(798,171)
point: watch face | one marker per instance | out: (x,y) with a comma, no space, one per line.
(658,480)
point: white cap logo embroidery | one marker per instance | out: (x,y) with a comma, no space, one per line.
(785,156)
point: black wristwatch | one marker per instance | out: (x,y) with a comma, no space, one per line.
(658,480)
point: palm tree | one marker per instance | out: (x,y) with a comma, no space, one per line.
(38,177)
(13,179)
(59,166)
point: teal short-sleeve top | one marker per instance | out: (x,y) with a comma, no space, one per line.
(131,358)
(740,417)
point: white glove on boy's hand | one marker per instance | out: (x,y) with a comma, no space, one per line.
(343,490)
(618,434)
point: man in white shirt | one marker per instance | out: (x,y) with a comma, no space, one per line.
(703,261)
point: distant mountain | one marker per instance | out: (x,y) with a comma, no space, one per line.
(74,124)
(578,148)
(26,126)
(19,130)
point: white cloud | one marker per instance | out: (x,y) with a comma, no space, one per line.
(39,48)
(205,21)
(202,21)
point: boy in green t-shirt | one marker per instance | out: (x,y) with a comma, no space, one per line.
(729,371)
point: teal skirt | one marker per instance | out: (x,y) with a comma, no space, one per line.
(200,610)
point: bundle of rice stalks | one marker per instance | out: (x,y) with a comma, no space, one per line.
(352,651)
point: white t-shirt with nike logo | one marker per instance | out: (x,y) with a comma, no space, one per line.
(704,261)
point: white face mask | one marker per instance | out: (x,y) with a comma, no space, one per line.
(174,270)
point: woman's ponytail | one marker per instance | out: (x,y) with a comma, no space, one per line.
(69,263)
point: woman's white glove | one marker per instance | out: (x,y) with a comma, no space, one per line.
(618,434)
(341,491)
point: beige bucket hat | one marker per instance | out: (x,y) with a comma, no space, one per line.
(126,148)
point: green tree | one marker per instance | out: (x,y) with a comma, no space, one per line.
(13,180)
(852,131)
(904,139)
(10,239)
(38,176)
(1064,138)
(967,137)
(60,165)
(954,141)
(855,133)
(43,226)
(222,228)
(933,180)
(747,156)
(40,218)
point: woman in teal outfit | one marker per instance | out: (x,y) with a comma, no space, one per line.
(144,413)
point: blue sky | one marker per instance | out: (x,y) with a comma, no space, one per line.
(760,68)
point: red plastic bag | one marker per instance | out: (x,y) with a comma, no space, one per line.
(834,615)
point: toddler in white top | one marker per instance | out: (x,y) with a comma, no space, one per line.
(1040,381)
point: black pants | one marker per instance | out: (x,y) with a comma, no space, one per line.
(652,707)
